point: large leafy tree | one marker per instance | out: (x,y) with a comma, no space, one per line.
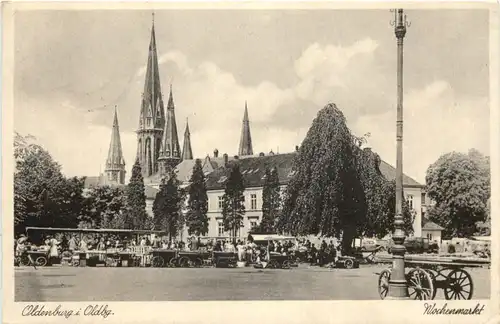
(326,194)
(197,208)
(42,195)
(233,206)
(167,207)
(271,201)
(135,213)
(380,196)
(459,184)
(104,207)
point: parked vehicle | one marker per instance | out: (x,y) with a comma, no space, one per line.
(371,245)
(418,245)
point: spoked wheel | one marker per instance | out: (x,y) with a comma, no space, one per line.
(273,264)
(434,274)
(458,285)
(348,264)
(24,261)
(157,261)
(184,262)
(198,263)
(420,285)
(383,283)
(41,261)
(172,263)
(287,264)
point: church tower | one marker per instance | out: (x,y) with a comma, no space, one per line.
(170,154)
(115,164)
(246,138)
(187,151)
(152,114)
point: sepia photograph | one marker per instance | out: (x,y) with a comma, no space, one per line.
(239,154)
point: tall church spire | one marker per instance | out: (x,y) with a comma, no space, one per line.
(115,163)
(187,152)
(170,154)
(152,113)
(246,138)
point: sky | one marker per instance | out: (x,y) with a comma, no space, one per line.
(73,67)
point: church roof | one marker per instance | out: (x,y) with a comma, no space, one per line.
(115,158)
(170,143)
(152,107)
(253,170)
(246,138)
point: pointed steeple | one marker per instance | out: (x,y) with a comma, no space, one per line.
(187,152)
(170,154)
(246,138)
(152,113)
(152,109)
(115,163)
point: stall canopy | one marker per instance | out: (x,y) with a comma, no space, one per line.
(92,230)
(482,238)
(271,237)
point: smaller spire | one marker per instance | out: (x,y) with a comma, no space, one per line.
(187,152)
(245,139)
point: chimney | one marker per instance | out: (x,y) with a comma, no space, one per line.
(296,148)
(225,158)
(261,154)
(216,153)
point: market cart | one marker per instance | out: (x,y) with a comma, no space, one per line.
(428,273)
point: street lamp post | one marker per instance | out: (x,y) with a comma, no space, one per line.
(398,288)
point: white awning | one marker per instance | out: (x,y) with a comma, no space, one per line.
(271,237)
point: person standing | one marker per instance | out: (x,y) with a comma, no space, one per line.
(53,250)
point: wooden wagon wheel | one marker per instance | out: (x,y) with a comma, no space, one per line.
(196,263)
(273,264)
(434,274)
(458,285)
(173,262)
(348,263)
(383,283)
(420,285)
(287,264)
(24,260)
(41,261)
(183,262)
(157,261)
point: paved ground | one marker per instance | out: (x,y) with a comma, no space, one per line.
(153,284)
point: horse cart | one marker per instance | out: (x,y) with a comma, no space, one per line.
(278,261)
(427,274)
(224,259)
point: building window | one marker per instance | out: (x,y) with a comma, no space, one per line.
(221,202)
(220,229)
(429,236)
(253,201)
(409,199)
(253,224)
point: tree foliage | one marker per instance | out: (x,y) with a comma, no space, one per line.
(167,207)
(380,197)
(233,206)
(104,206)
(135,216)
(196,215)
(459,184)
(326,194)
(271,201)
(43,196)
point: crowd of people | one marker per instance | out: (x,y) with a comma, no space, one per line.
(247,251)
